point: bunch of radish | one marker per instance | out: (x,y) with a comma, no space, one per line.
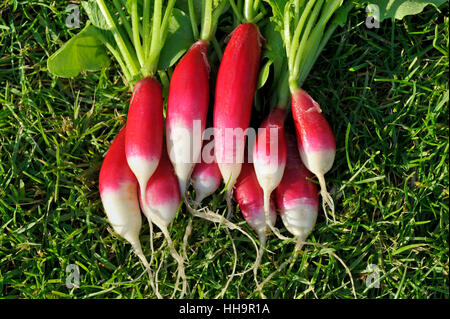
(157,156)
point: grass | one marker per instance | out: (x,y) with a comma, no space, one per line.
(385,92)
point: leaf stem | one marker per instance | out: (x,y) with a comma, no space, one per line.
(149,67)
(146,28)
(193,19)
(127,56)
(123,18)
(299,55)
(207,21)
(136,36)
(236,11)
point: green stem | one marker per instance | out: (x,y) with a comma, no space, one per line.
(150,67)
(193,19)
(123,18)
(319,44)
(296,38)
(165,23)
(300,56)
(248,10)
(128,58)
(283,91)
(207,21)
(146,28)
(136,36)
(217,48)
(236,11)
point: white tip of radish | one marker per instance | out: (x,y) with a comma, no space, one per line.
(300,219)
(142,168)
(318,162)
(162,213)
(123,212)
(184,148)
(258,221)
(230,172)
(269,175)
(204,186)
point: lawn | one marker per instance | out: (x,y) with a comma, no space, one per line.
(385,93)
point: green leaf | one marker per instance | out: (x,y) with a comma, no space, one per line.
(398,9)
(264,74)
(274,49)
(84,52)
(179,39)
(95,14)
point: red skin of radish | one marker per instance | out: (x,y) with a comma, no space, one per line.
(118,190)
(144,130)
(297,197)
(250,197)
(235,89)
(313,131)
(115,170)
(162,195)
(188,102)
(316,143)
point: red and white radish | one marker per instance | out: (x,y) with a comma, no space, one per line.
(235,89)
(296,196)
(269,156)
(206,179)
(187,108)
(250,197)
(160,205)
(119,194)
(144,130)
(316,142)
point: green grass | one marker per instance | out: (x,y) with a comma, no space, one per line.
(385,93)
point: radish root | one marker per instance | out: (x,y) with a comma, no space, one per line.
(299,245)
(207,214)
(275,230)
(327,200)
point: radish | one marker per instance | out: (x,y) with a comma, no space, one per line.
(235,88)
(162,200)
(144,130)
(250,198)
(187,107)
(118,191)
(188,101)
(269,157)
(206,178)
(305,30)
(316,142)
(296,196)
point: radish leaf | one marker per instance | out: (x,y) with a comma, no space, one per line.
(179,39)
(398,9)
(84,52)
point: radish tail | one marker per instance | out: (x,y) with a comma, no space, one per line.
(187,234)
(229,202)
(262,241)
(206,214)
(340,260)
(233,273)
(327,200)
(267,215)
(179,260)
